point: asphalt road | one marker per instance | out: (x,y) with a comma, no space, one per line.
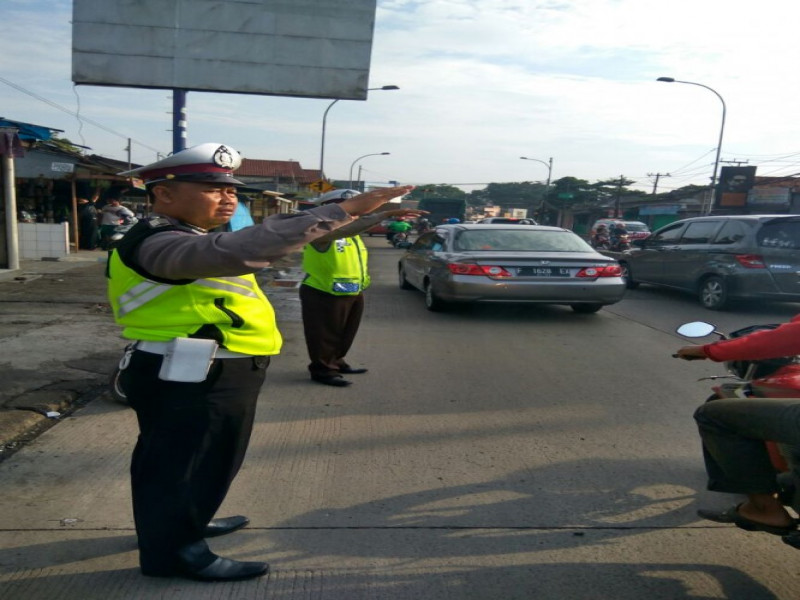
(491,452)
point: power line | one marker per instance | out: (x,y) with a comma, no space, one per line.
(81,119)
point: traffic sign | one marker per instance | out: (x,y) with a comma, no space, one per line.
(321,186)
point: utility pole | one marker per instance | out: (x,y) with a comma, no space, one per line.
(657,176)
(619,193)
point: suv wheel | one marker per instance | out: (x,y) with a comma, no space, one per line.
(713,293)
(630,283)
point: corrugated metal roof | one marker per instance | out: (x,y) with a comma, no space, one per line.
(288,169)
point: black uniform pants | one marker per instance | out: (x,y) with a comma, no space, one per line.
(192,441)
(330,324)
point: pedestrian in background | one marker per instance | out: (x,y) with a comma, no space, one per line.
(111,217)
(202,335)
(332,293)
(88,232)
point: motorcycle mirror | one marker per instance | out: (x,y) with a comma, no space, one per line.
(695,329)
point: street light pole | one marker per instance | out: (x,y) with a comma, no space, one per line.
(549,165)
(358,159)
(721,132)
(324,121)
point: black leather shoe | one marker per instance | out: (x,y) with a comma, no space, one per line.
(334,380)
(352,371)
(225,569)
(226,525)
(196,561)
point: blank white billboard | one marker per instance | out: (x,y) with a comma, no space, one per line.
(309,48)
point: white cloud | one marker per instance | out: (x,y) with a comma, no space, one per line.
(482,83)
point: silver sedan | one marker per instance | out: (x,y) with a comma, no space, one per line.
(510,263)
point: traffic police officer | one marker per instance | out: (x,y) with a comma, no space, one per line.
(332,294)
(202,336)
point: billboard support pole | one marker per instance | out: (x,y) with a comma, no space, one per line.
(178,120)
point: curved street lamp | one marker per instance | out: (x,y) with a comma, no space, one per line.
(721,132)
(324,120)
(549,165)
(358,159)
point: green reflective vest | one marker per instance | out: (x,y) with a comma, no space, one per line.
(341,270)
(232,310)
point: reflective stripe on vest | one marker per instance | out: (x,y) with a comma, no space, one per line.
(146,291)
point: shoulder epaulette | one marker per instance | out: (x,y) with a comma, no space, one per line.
(156,222)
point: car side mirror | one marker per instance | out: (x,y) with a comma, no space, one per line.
(639,243)
(695,329)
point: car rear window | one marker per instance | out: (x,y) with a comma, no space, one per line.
(779,234)
(520,241)
(635,226)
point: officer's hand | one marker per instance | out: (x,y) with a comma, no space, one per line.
(691,353)
(403,212)
(366,203)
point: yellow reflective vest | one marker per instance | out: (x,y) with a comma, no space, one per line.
(232,310)
(341,270)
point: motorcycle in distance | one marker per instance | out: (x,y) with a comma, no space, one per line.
(768,378)
(400,240)
(620,243)
(600,241)
(120,231)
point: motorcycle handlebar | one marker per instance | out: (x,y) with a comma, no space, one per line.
(688,357)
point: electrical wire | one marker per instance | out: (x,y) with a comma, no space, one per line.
(74,114)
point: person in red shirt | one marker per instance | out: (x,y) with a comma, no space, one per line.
(733,432)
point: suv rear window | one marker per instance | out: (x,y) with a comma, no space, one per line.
(732,232)
(779,234)
(699,232)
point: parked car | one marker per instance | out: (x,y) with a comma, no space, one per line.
(510,263)
(381,228)
(636,230)
(721,258)
(507,220)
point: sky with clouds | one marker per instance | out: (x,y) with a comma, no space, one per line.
(482,82)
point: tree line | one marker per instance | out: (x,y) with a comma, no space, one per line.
(563,193)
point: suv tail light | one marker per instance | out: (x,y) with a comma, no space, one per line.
(606,271)
(751,261)
(482,270)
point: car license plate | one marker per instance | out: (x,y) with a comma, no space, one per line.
(543,272)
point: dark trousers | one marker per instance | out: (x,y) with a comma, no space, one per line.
(192,441)
(733,433)
(330,324)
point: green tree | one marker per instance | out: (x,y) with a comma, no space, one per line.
(524,194)
(436,190)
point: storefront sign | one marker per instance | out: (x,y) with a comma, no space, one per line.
(777,197)
(62,167)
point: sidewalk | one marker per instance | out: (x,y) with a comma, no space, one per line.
(59,343)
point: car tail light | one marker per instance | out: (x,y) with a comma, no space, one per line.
(751,261)
(606,271)
(482,270)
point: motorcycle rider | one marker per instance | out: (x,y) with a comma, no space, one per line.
(397,225)
(600,237)
(617,231)
(733,432)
